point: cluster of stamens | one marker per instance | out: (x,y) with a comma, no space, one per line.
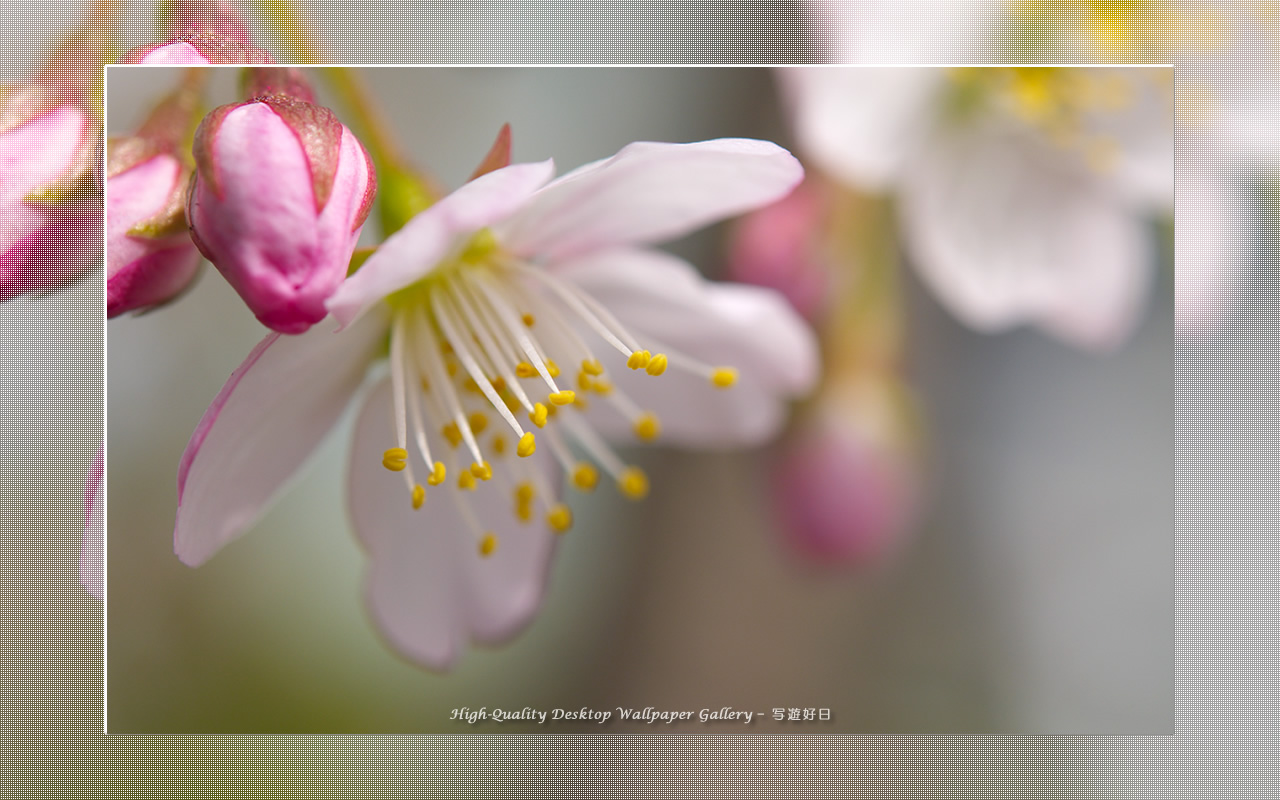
(1065,105)
(474,341)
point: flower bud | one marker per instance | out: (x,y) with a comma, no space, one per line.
(846,489)
(49,200)
(200,32)
(281,191)
(779,247)
(150,256)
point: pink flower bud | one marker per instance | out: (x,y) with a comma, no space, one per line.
(150,256)
(779,247)
(846,488)
(281,191)
(201,32)
(50,206)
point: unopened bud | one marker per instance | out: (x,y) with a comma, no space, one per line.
(49,198)
(281,191)
(779,247)
(150,256)
(200,32)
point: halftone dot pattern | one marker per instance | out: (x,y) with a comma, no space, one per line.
(1226,441)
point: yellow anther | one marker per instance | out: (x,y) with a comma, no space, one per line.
(585,476)
(512,402)
(488,543)
(528,320)
(471,386)
(724,377)
(526,370)
(561,398)
(478,421)
(419,494)
(452,433)
(657,364)
(524,511)
(426,387)
(639,359)
(538,416)
(524,492)
(584,381)
(647,426)
(551,412)
(592,367)
(580,404)
(452,368)
(445,347)
(482,470)
(395,459)
(527,445)
(466,480)
(552,368)
(499,444)
(602,387)
(560,518)
(634,483)
(499,384)
(437,474)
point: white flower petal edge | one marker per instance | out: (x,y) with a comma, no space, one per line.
(664,300)
(1211,239)
(426,588)
(412,252)
(868,140)
(273,411)
(1003,238)
(649,192)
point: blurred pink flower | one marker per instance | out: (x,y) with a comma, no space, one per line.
(1025,195)
(779,247)
(50,207)
(94,543)
(846,489)
(281,193)
(484,296)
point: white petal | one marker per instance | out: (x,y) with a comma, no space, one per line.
(906,31)
(410,253)
(662,299)
(650,192)
(273,411)
(1004,235)
(428,588)
(1211,237)
(860,124)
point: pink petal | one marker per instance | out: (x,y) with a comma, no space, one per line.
(661,299)
(175,53)
(650,192)
(428,589)
(412,252)
(273,411)
(1005,235)
(91,548)
(40,151)
(134,196)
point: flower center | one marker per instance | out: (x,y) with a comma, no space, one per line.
(476,349)
(1066,106)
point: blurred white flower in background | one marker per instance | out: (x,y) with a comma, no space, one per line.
(1226,56)
(1025,193)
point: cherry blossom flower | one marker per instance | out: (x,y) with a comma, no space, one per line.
(1026,194)
(524,324)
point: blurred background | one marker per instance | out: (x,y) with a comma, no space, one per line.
(1033,594)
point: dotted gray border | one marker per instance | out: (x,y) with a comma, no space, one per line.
(1226,555)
